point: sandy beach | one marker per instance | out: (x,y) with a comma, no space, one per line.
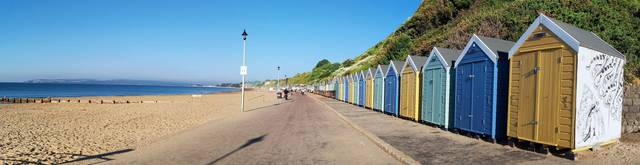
(62,132)
(626,151)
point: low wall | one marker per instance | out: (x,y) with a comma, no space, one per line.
(631,109)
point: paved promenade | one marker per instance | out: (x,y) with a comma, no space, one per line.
(430,145)
(299,131)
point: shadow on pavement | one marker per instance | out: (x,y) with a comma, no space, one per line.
(82,157)
(263,107)
(267,106)
(98,156)
(248,143)
(7,161)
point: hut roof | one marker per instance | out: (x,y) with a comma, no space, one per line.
(444,54)
(491,46)
(497,45)
(383,69)
(394,65)
(370,72)
(571,35)
(416,62)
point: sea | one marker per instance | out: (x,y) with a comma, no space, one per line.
(44,90)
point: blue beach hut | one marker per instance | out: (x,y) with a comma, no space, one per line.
(346,88)
(362,88)
(481,84)
(392,87)
(437,77)
(378,87)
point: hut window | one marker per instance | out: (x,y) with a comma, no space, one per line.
(537,36)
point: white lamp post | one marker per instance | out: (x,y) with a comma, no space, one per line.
(243,68)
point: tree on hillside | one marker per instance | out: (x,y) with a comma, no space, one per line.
(322,62)
(323,69)
(347,63)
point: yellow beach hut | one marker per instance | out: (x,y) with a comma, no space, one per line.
(410,87)
(565,87)
(369,85)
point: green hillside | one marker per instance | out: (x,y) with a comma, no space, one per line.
(450,24)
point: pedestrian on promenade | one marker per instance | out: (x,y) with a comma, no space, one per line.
(286,94)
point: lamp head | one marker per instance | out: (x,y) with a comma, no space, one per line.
(244,34)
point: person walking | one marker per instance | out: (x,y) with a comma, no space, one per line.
(286,94)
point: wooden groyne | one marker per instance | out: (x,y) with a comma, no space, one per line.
(51,100)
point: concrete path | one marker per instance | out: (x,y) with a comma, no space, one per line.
(430,145)
(299,131)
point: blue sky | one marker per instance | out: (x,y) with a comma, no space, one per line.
(195,41)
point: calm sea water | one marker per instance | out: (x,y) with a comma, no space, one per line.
(31,90)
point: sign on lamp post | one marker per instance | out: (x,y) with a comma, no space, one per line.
(243,70)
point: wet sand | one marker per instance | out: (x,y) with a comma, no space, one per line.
(63,132)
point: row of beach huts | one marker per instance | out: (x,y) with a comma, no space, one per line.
(558,86)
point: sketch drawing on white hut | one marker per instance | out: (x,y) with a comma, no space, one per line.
(600,92)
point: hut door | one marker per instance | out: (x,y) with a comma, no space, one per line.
(352,88)
(527,103)
(379,93)
(403,95)
(390,95)
(537,115)
(438,96)
(427,98)
(407,96)
(347,90)
(480,98)
(548,97)
(411,96)
(377,85)
(464,94)
(361,92)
